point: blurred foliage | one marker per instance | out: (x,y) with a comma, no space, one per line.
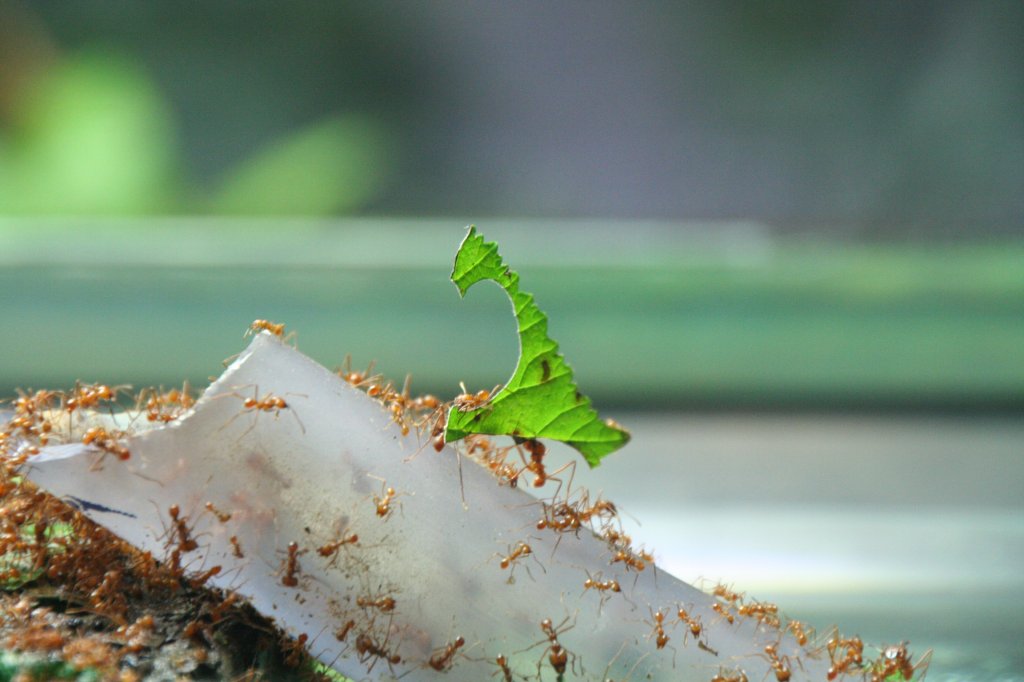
(331,167)
(826,118)
(92,135)
(836,117)
(798,323)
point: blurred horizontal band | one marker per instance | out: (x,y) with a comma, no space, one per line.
(650,314)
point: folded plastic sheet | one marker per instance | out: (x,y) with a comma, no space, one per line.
(423,573)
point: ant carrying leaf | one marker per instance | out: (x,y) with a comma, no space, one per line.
(541,399)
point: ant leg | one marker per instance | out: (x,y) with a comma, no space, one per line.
(462,486)
(302,426)
(553,476)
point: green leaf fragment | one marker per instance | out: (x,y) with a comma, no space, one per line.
(541,399)
(330,673)
(18,666)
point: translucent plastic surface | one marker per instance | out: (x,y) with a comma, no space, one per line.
(432,529)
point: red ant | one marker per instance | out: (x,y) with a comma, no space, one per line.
(290,577)
(383,502)
(398,403)
(601,586)
(627,557)
(40,401)
(476,442)
(894,660)
(331,548)
(727,594)
(384,604)
(558,656)
(296,651)
(658,630)
(799,633)
(137,634)
(537,451)
(99,437)
(368,649)
(223,517)
(437,432)
(268,403)
(603,509)
(203,577)
(426,402)
(355,378)
(511,559)
(853,656)
(217,612)
(571,516)
(780,664)
(277,329)
(30,426)
(108,595)
(692,623)
(90,395)
(502,662)
(175,564)
(443,660)
(437,412)
(343,631)
(535,466)
(521,549)
(165,407)
(723,610)
(560,518)
(192,629)
(186,543)
(29,417)
(617,539)
(764,612)
(493,458)
(466,401)
(236,547)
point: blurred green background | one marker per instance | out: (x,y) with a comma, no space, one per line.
(806,217)
(811,206)
(651,316)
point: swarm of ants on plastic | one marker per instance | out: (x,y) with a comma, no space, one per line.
(570,511)
(77,594)
(134,602)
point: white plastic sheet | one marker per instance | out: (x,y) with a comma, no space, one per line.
(314,473)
